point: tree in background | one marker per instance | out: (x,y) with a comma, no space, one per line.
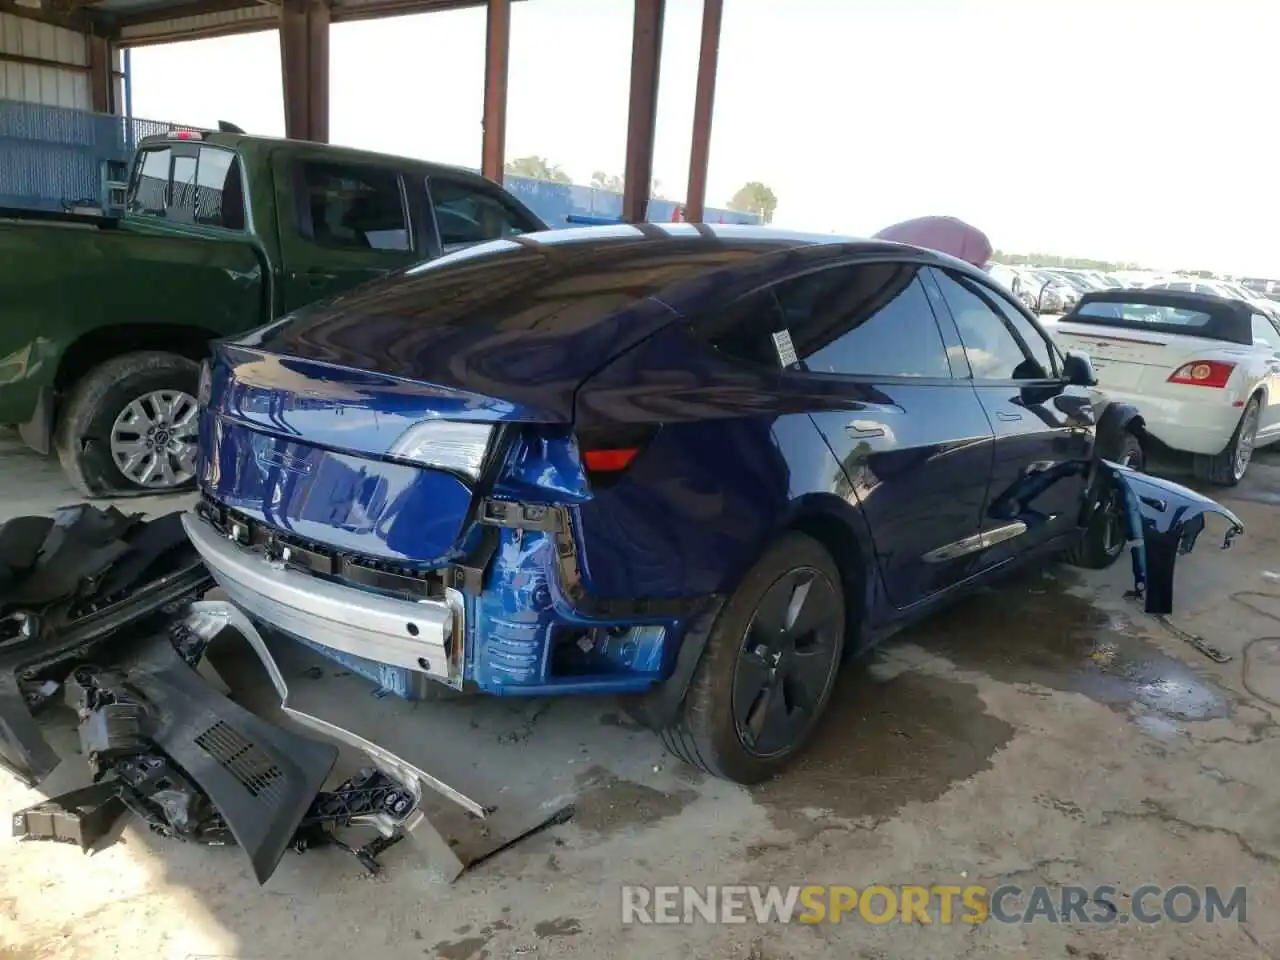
(617,184)
(755,197)
(607,181)
(535,168)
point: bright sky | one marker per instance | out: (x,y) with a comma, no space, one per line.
(1118,129)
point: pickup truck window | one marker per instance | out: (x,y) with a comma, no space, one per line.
(353,207)
(465,215)
(189,186)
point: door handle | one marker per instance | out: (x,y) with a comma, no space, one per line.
(318,277)
(1008,416)
(864,428)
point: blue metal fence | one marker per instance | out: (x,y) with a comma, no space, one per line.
(51,155)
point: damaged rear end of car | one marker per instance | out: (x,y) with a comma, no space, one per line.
(394,478)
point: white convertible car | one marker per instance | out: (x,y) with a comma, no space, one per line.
(1203,370)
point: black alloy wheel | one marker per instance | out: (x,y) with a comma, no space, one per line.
(785,666)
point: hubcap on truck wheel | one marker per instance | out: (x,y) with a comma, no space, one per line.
(786,662)
(154,439)
(1244,443)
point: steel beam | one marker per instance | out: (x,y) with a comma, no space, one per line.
(496,55)
(304,68)
(646,53)
(102,86)
(703,107)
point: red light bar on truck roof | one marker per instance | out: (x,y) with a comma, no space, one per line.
(185,135)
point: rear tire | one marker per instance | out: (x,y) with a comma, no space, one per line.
(1228,468)
(1104,538)
(93,412)
(730,725)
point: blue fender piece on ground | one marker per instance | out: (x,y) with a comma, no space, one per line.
(1164,520)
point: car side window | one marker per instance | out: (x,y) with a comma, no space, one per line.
(1263,329)
(994,350)
(1037,343)
(353,207)
(465,215)
(865,319)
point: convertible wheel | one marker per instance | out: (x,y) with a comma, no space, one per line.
(1103,540)
(1228,468)
(769,667)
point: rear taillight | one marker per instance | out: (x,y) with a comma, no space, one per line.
(609,460)
(1203,373)
(606,454)
(458,447)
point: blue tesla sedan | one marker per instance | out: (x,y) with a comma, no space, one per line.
(693,465)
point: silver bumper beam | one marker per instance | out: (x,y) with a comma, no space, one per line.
(423,636)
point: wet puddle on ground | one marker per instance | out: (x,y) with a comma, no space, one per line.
(885,743)
(1030,630)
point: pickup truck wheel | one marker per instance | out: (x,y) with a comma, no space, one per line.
(1104,538)
(130,426)
(769,667)
(1228,468)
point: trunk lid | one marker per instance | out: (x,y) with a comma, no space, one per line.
(1118,355)
(303,417)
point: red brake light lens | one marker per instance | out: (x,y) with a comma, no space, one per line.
(1203,373)
(609,461)
(607,453)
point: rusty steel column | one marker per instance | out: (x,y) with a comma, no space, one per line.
(646,54)
(497,49)
(304,69)
(102,87)
(703,106)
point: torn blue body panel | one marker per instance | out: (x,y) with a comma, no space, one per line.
(1164,520)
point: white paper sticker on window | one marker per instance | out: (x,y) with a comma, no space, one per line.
(786,349)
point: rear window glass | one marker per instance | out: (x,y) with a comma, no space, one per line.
(1152,313)
(192,185)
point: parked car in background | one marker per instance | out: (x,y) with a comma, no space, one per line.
(1221,288)
(697,464)
(1017,281)
(1204,370)
(106,319)
(1055,294)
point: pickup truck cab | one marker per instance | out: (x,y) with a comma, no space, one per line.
(107,318)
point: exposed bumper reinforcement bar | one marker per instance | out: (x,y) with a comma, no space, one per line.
(423,636)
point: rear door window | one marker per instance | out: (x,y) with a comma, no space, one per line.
(466,215)
(870,320)
(353,207)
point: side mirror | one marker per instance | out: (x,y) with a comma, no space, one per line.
(1078,370)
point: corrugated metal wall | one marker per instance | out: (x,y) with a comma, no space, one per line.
(40,84)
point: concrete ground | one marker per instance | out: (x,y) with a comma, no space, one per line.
(1043,732)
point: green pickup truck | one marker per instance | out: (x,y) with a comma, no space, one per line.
(103,321)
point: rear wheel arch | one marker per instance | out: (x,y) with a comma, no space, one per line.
(837,531)
(105,343)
